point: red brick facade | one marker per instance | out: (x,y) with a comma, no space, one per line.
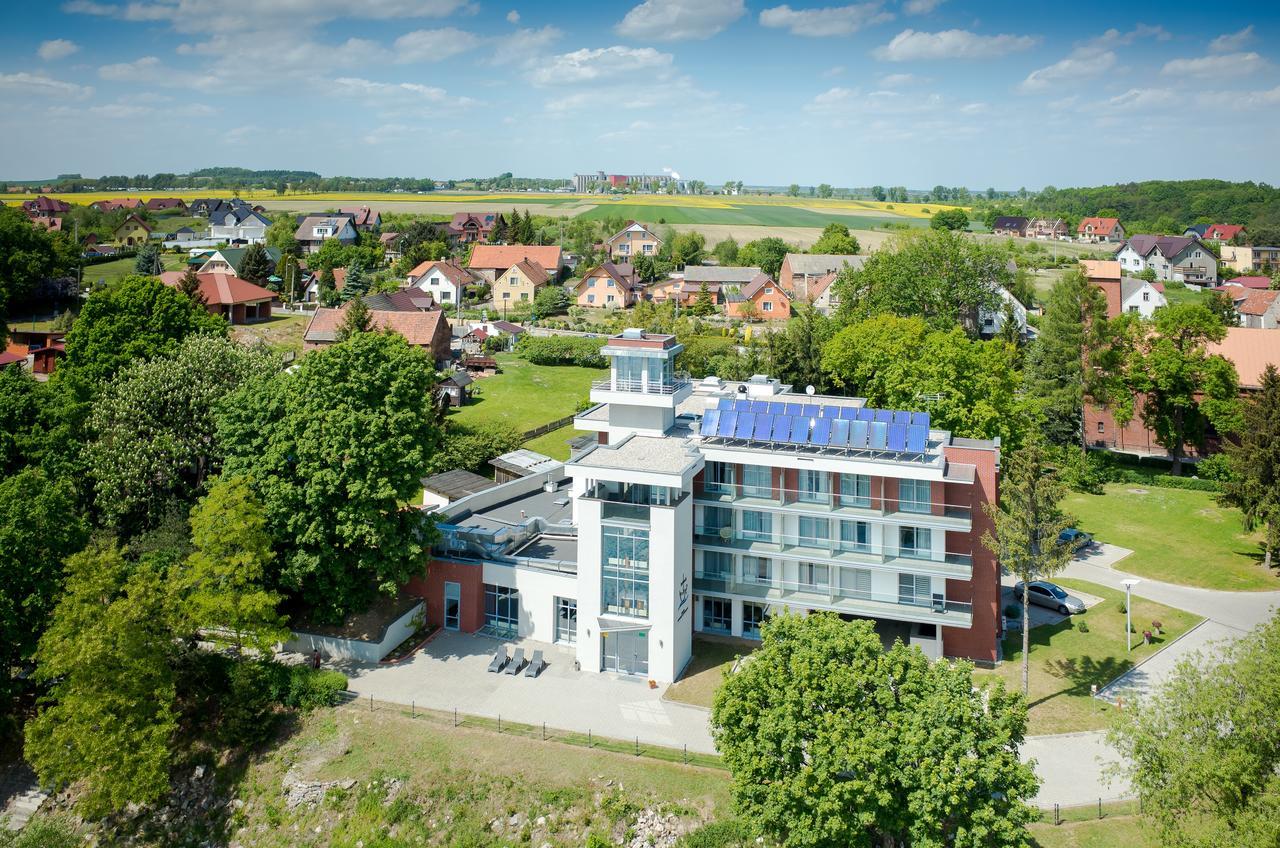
(470,579)
(981,640)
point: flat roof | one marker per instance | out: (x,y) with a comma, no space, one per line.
(456,484)
(523,462)
(551,547)
(659,454)
(555,507)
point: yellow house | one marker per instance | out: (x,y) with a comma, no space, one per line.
(519,284)
(133,231)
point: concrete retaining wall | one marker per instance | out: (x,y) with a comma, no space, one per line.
(332,647)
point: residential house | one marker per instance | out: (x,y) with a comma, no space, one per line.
(390,246)
(1223,232)
(468,227)
(428,329)
(1196,231)
(519,284)
(133,231)
(672,526)
(164,204)
(363,218)
(631,241)
(800,270)
(1249,282)
(227,260)
(53,225)
(237,300)
(1250,258)
(183,234)
(113,205)
(202,206)
(1124,294)
(1047,228)
(609,285)
(490,260)
(473,341)
(445,279)
(238,225)
(314,230)
(45,207)
(1098,230)
(770,301)
(1010,225)
(991,321)
(823,294)
(40,349)
(1257,308)
(1173,258)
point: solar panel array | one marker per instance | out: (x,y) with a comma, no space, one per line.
(816,425)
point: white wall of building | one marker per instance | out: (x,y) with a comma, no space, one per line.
(538,592)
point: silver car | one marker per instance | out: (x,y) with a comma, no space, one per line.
(1051,595)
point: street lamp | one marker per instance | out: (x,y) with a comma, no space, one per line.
(1128,611)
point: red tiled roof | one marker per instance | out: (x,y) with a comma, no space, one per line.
(1223,232)
(1101,226)
(418,328)
(452,271)
(7,358)
(820,285)
(1251,282)
(362,216)
(535,273)
(1257,301)
(502,256)
(222,289)
(1251,349)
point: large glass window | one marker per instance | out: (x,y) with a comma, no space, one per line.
(855,582)
(716,565)
(624,578)
(855,536)
(757,481)
(630,372)
(718,478)
(757,525)
(659,373)
(501,611)
(814,532)
(915,542)
(757,570)
(855,490)
(914,495)
(814,576)
(717,615)
(815,486)
(566,621)
(914,589)
(753,616)
(715,519)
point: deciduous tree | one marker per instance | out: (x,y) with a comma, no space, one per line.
(949,219)
(835,239)
(834,742)
(1255,465)
(766,254)
(726,251)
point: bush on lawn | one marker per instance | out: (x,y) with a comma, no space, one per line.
(730,833)
(562,350)
(311,688)
(471,448)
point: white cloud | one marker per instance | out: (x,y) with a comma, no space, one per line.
(1241,99)
(921,7)
(203,16)
(679,20)
(404,92)
(833,20)
(433,45)
(525,45)
(1216,66)
(145,69)
(1114,37)
(898,80)
(25,83)
(513,17)
(587,65)
(1232,42)
(910,45)
(1083,63)
(1139,99)
(850,101)
(58,48)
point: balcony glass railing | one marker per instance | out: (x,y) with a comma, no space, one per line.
(665,387)
(800,546)
(825,502)
(935,603)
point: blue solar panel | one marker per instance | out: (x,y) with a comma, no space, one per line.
(742,406)
(921,418)
(764,426)
(897,437)
(710,420)
(759,406)
(747,425)
(839,432)
(799,430)
(726,403)
(858,435)
(821,432)
(794,409)
(884,416)
(916,437)
(811,410)
(866,414)
(777,408)
(849,413)
(900,417)
(879,435)
(781,428)
(728,420)
(830,412)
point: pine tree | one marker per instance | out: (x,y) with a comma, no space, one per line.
(148,261)
(189,285)
(356,284)
(356,318)
(1255,465)
(328,292)
(255,265)
(703,304)
(499,231)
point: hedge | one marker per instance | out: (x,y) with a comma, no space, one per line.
(562,350)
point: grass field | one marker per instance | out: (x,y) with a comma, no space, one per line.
(556,443)
(745,214)
(526,396)
(1198,542)
(281,333)
(1065,662)
(1118,832)
(711,659)
(118,269)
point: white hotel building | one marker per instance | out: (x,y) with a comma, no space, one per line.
(707,506)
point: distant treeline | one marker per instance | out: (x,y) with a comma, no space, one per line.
(1157,206)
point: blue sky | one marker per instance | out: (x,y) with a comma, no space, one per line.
(910,92)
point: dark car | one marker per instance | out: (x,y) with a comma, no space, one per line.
(1045,594)
(1077,539)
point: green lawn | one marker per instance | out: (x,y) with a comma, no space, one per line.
(1175,294)
(118,269)
(281,333)
(1176,535)
(766,215)
(556,443)
(1065,662)
(525,396)
(711,658)
(1110,832)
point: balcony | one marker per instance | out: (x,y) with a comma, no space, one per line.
(946,516)
(835,551)
(667,387)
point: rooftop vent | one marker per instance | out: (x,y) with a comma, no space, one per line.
(633,333)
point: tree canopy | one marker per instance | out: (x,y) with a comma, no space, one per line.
(28,256)
(766,254)
(835,239)
(834,742)
(1254,485)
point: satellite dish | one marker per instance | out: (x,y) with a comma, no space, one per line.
(809,390)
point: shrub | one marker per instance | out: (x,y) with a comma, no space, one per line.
(1216,468)
(730,833)
(562,350)
(470,448)
(1082,625)
(310,688)
(253,691)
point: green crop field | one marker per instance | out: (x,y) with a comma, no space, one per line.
(764,215)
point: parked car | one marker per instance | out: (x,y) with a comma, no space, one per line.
(1051,595)
(1077,539)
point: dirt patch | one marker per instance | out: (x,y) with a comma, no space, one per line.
(1138,491)
(368,625)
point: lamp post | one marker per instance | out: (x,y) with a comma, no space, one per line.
(1128,611)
